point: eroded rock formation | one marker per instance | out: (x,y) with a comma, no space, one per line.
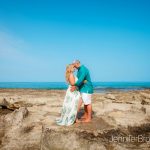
(27,121)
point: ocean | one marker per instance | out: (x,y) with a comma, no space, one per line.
(98,86)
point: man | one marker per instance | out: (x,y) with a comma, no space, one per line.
(85,87)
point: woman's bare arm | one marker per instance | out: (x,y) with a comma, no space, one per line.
(71,79)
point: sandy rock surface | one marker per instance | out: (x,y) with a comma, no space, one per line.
(27,121)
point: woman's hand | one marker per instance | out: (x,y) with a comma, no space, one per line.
(85,81)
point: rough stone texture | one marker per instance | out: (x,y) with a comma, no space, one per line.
(27,121)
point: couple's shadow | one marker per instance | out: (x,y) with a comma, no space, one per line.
(81,113)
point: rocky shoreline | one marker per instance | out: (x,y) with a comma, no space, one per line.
(120,120)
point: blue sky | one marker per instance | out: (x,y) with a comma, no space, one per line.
(38,38)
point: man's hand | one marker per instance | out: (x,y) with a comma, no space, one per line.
(73,88)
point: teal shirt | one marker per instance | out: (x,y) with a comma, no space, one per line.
(83,74)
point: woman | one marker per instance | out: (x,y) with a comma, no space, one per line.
(70,105)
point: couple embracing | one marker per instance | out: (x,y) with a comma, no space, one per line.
(79,91)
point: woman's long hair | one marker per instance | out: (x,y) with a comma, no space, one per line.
(69,70)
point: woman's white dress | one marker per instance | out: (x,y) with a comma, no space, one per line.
(70,107)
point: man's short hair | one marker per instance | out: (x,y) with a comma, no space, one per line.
(76,61)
